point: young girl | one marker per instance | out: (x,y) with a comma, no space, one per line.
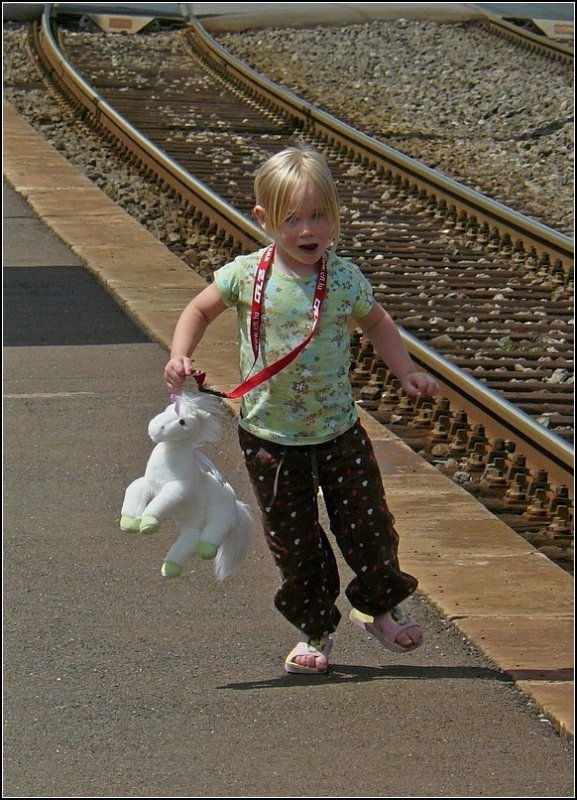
(299,429)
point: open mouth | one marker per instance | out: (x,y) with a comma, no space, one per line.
(309,248)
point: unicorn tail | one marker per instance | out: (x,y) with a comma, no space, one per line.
(234,548)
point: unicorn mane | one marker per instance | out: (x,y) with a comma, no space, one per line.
(199,406)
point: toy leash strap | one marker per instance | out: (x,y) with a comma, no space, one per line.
(255,324)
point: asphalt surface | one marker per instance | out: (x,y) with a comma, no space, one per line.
(118,683)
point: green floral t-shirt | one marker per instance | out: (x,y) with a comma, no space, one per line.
(310,400)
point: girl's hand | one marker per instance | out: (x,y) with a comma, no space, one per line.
(177,370)
(418,384)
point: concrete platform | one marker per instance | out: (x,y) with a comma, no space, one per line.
(495,590)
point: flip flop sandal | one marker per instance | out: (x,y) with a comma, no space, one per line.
(395,622)
(308,647)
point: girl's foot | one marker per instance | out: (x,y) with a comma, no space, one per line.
(310,656)
(409,635)
(394,629)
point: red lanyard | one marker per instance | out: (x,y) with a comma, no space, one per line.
(255,323)
(256,318)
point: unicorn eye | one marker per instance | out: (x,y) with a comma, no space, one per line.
(181,422)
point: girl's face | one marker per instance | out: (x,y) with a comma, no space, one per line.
(304,235)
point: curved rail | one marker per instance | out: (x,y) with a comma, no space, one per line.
(187,186)
(541,44)
(550,244)
(244,231)
(512,418)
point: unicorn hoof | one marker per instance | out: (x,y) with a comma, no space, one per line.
(206,550)
(129,524)
(149,525)
(170,569)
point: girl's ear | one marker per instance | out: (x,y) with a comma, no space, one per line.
(259,215)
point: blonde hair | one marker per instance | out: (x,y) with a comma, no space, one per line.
(281,176)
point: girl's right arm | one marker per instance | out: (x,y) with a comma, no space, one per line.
(189,330)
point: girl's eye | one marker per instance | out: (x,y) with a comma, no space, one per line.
(181,422)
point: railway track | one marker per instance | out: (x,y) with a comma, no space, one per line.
(483,294)
(526,39)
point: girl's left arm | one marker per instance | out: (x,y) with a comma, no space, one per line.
(384,335)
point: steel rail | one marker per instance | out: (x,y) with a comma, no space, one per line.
(514,419)
(187,186)
(524,426)
(547,443)
(551,244)
(540,44)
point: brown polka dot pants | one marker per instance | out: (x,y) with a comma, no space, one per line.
(286,482)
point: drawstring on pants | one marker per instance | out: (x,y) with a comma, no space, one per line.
(276,479)
(314,473)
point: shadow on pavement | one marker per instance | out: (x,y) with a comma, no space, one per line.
(341,673)
(52,306)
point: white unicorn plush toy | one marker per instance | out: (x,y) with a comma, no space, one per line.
(181,482)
